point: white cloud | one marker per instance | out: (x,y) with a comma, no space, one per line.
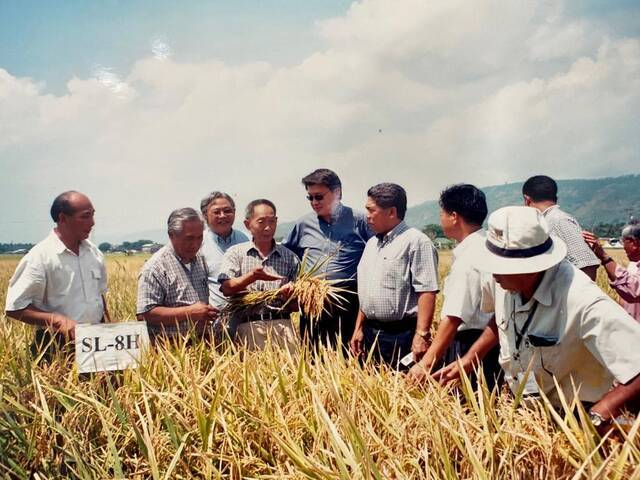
(421,93)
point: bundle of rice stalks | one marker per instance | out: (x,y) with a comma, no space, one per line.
(312,290)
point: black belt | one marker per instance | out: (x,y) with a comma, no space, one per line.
(408,322)
(264,315)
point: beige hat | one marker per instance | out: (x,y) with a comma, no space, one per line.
(518,241)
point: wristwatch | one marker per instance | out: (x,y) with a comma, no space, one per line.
(598,420)
(423,333)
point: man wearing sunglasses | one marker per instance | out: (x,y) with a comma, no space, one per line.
(336,232)
(559,334)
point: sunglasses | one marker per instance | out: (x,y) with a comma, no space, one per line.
(317,197)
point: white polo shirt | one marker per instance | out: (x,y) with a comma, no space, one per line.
(54,279)
(594,340)
(463,287)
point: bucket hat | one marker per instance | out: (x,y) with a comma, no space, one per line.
(518,241)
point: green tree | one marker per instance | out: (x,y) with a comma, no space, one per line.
(433,231)
(105,247)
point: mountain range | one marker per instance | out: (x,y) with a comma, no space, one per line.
(591,201)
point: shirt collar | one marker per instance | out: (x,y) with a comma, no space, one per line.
(464,245)
(59,246)
(543,293)
(221,240)
(547,210)
(274,250)
(389,236)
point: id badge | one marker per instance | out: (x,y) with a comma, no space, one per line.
(531,386)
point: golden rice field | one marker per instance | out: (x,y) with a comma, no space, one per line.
(205,412)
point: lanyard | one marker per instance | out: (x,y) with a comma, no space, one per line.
(520,334)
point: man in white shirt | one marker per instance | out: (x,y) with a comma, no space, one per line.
(62,281)
(578,342)
(219,211)
(463,209)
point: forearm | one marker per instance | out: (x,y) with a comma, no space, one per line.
(484,344)
(39,318)
(615,399)
(233,286)
(159,316)
(360,320)
(426,307)
(443,338)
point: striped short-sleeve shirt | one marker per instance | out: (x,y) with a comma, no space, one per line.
(567,228)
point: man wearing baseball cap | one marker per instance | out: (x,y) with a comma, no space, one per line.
(552,319)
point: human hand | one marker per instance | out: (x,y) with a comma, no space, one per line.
(64,325)
(418,373)
(202,312)
(259,273)
(356,343)
(453,371)
(419,347)
(594,244)
(286,290)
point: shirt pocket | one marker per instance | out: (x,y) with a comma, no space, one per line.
(94,283)
(394,273)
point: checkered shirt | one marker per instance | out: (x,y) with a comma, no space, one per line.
(165,282)
(393,270)
(241,259)
(564,226)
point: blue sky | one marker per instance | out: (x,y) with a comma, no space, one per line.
(147,106)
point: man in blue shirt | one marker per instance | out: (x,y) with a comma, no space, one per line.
(334,230)
(219,211)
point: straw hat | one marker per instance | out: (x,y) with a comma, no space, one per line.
(518,241)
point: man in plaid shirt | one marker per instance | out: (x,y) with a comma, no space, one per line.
(541,193)
(173,292)
(260,265)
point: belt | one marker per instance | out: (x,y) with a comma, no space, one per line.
(264,315)
(408,322)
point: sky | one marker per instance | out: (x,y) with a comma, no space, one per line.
(146,106)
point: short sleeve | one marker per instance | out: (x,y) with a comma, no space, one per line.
(578,252)
(27,285)
(458,294)
(151,291)
(424,266)
(487,294)
(612,337)
(230,267)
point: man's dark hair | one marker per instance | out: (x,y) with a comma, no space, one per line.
(206,201)
(387,195)
(467,201)
(323,176)
(254,203)
(61,204)
(541,188)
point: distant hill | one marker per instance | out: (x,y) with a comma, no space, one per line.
(591,201)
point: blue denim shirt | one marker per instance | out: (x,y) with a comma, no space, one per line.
(344,237)
(213,248)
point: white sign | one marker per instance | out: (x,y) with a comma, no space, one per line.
(109,346)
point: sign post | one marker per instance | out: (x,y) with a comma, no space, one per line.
(110,346)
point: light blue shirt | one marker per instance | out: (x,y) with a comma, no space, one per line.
(213,248)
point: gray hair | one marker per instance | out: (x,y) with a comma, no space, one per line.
(206,201)
(179,216)
(631,230)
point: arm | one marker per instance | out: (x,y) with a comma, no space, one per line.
(357,339)
(476,353)
(624,283)
(233,286)
(198,313)
(444,336)
(55,321)
(426,307)
(610,406)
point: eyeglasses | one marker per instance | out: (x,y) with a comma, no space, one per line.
(318,197)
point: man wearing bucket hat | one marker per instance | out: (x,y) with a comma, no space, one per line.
(552,321)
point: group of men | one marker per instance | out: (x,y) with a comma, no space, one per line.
(519,297)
